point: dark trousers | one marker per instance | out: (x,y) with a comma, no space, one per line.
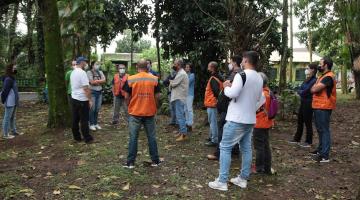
(305,116)
(263,151)
(80,112)
(322,122)
(221,123)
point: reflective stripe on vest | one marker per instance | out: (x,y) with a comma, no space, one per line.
(210,100)
(118,85)
(142,101)
(321,100)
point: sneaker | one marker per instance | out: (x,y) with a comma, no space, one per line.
(211,144)
(154,164)
(321,159)
(212,157)
(114,122)
(92,127)
(314,153)
(98,127)
(182,138)
(9,137)
(239,182)
(129,165)
(293,142)
(189,128)
(305,145)
(16,133)
(217,185)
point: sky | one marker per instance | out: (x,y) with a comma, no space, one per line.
(111,49)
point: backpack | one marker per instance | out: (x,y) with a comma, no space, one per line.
(223,101)
(274,106)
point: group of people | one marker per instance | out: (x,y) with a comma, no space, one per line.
(238,107)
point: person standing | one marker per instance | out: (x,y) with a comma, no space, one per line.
(190,97)
(261,132)
(166,82)
(142,95)
(179,90)
(324,102)
(240,120)
(305,114)
(67,81)
(213,88)
(10,100)
(150,70)
(118,83)
(81,101)
(97,79)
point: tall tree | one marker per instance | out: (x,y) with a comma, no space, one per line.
(157,9)
(12,32)
(40,47)
(124,44)
(58,114)
(291,56)
(27,9)
(284,46)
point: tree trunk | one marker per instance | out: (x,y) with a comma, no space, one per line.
(157,33)
(12,33)
(291,43)
(357,84)
(309,34)
(40,59)
(29,24)
(58,112)
(284,47)
(131,50)
(344,85)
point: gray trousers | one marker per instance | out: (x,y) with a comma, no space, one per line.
(119,103)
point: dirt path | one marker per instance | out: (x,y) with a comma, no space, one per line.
(46,164)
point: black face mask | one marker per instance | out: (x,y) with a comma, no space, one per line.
(320,69)
(174,68)
(15,71)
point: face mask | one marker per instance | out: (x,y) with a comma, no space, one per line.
(307,72)
(122,71)
(231,67)
(86,67)
(174,68)
(97,67)
(15,71)
(320,69)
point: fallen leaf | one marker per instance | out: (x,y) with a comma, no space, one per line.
(269,185)
(110,194)
(81,162)
(184,187)
(49,174)
(156,186)
(56,192)
(126,187)
(355,143)
(199,186)
(74,187)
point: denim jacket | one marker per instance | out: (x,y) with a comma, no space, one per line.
(9,92)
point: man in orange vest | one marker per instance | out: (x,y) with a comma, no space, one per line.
(212,91)
(142,96)
(261,132)
(324,101)
(118,83)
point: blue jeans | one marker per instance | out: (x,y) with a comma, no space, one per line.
(212,118)
(189,114)
(172,111)
(180,115)
(96,97)
(322,123)
(134,126)
(235,134)
(9,121)
(119,103)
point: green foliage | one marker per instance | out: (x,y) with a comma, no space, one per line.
(124,44)
(152,55)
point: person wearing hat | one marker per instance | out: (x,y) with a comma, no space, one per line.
(81,101)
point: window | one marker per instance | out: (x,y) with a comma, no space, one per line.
(272,73)
(300,74)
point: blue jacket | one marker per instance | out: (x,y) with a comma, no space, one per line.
(191,84)
(9,92)
(305,89)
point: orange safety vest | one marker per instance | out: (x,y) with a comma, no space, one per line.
(142,103)
(262,119)
(118,84)
(210,100)
(321,100)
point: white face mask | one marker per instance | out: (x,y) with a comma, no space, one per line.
(231,67)
(86,67)
(97,67)
(122,71)
(307,72)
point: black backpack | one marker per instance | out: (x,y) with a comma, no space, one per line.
(223,101)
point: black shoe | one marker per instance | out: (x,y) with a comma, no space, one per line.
(293,142)
(114,122)
(156,164)
(321,159)
(314,153)
(189,128)
(129,165)
(211,144)
(89,141)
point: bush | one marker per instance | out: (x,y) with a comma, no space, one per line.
(107,94)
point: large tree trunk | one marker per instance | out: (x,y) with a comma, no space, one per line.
(58,112)
(12,33)
(284,47)
(40,59)
(29,24)
(357,84)
(291,42)
(157,33)
(344,85)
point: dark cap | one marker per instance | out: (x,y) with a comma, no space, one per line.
(80,59)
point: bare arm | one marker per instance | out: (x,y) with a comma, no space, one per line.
(127,98)
(88,95)
(318,87)
(157,99)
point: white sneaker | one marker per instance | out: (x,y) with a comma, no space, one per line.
(93,127)
(8,137)
(217,185)
(239,182)
(98,127)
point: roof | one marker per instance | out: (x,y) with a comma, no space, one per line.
(121,56)
(300,55)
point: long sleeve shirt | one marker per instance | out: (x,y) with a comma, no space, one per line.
(179,86)
(305,89)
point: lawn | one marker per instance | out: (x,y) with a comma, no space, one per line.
(47,164)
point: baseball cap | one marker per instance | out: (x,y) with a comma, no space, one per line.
(80,59)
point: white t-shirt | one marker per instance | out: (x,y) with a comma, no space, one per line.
(79,80)
(245,100)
